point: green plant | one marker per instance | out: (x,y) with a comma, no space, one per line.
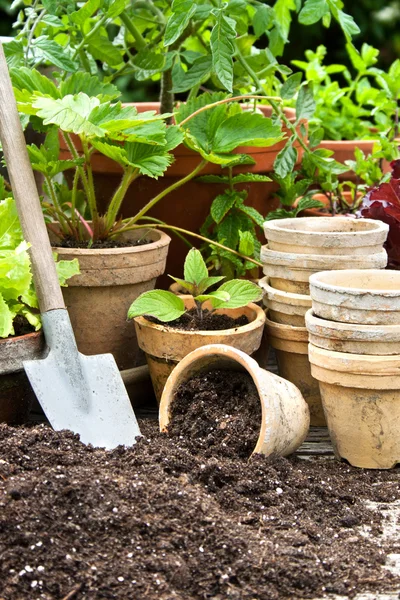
(17,293)
(166,306)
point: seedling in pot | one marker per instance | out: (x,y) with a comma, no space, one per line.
(166,306)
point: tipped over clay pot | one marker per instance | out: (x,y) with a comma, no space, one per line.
(361,400)
(291,272)
(285,307)
(326,236)
(284,413)
(357,296)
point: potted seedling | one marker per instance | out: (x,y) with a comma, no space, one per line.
(169,326)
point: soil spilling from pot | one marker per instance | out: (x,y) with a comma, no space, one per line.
(206,321)
(100,245)
(161,520)
(219,412)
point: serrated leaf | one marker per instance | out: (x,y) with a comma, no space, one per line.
(222,47)
(290,87)
(285,161)
(222,204)
(116,7)
(306,203)
(14,53)
(315,136)
(195,269)
(262,19)
(148,63)
(228,230)
(197,74)
(305,104)
(54,53)
(348,24)
(245,129)
(67,269)
(253,213)
(33,81)
(241,293)
(283,18)
(313,11)
(90,85)
(246,243)
(102,49)
(182,12)
(85,12)
(6,319)
(160,304)
(150,160)
(70,113)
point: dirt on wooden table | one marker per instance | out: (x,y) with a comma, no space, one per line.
(164,521)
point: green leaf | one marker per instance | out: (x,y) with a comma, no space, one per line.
(53,53)
(262,19)
(14,53)
(89,84)
(246,243)
(102,49)
(66,269)
(198,73)
(6,319)
(173,137)
(208,282)
(286,160)
(88,9)
(348,24)
(150,160)
(185,284)
(315,136)
(160,304)
(241,293)
(253,213)
(70,113)
(195,269)
(245,128)
(305,104)
(290,87)
(116,7)
(33,81)
(228,230)
(182,12)
(313,11)
(241,178)
(283,18)
(222,204)
(222,47)
(10,229)
(214,297)
(148,63)
(306,203)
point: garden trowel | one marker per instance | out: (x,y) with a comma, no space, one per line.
(82,393)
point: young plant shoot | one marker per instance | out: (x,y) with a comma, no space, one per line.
(166,306)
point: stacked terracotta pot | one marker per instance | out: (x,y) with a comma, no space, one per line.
(296,249)
(354,329)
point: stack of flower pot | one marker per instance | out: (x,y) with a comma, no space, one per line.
(354,351)
(296,249)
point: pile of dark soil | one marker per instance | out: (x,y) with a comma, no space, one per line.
(207,321)
(220,412)
(22,326)
(160,521)
(100,245)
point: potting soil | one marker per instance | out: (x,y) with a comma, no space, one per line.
(205,321)
(100,244)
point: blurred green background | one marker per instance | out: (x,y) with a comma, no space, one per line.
(378,20)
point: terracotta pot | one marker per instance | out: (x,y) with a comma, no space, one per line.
(354,296)
(291,272)
(341,236)
(325,211)
(98,299)
(361,400)
(291,350)
(377,340)
(284,414)
(165,347)
(344,150)
(188,206)
(16,394)
(285,307)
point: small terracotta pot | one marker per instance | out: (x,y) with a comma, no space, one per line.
(361,400)
(284,414)
(345,150)
(291,272)
(165,347)
(285,307)
(341,236)
(111,279)
(16,394)
(377,340)
(291,350)
(357,296)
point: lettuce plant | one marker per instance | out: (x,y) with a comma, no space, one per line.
(166,306)
(17,293)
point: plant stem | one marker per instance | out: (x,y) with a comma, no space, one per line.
(178,235)
(87,37)
(91,196)
(53,196)
(73,195)
(161,195)
(139,39)
(130,174)
(166,95)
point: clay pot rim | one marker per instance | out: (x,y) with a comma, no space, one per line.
(282,296)
(352,331)
(283,331)
(237,357)
(163,240)
(257,322)
(17,338)
(277,226)
(360,365)
(318,281)
(301,262)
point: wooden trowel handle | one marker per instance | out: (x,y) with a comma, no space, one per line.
(26,196)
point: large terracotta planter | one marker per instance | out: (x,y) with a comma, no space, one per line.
(291,351)
(354,296)
(326,236)
(378,340)
(291,272)
(165,347)
(188,206)
(361,400)
(285,307)
(344,150)
(16,394)
(284,414)
(98,299)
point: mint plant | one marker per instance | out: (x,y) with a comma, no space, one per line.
(166,306)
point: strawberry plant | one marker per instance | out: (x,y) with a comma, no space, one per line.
(166,306)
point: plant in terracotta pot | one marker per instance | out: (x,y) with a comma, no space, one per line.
(20,335)
(170,326)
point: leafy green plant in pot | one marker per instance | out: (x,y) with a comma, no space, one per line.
(20,325)
(170,326)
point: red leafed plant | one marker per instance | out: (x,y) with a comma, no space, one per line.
(382,202)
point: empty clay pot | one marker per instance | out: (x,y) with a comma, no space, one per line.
(165,346)
(291,351)
(326,236)
(291,272)
(357,296)
(285,307)
(361,400)
(380,340)
(284,414)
